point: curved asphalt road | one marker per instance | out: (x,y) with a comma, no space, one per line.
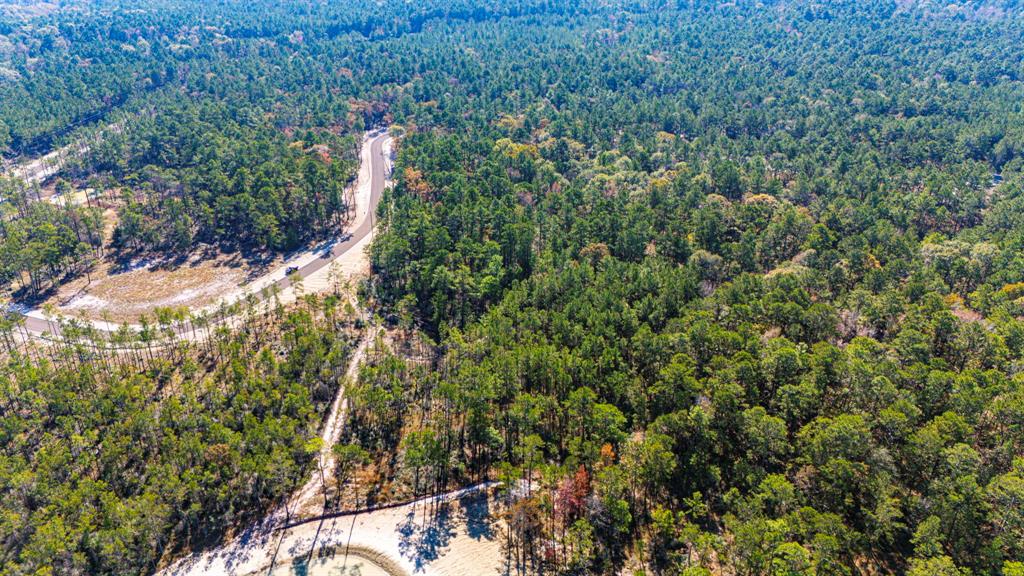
(378,176)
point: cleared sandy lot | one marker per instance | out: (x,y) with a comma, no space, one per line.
(453,535)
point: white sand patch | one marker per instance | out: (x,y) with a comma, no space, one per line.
(450,535)
(87,302)
(194,293)
(138,264)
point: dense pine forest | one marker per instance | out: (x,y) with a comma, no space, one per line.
(711,288)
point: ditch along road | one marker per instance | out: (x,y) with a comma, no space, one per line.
(373,177)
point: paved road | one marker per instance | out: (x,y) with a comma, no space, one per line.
(378,177)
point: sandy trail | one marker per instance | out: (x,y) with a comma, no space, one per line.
(311,494)
(455,534)
(40,169)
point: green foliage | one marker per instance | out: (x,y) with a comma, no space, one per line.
(791,288)
(766,253)
(107,467)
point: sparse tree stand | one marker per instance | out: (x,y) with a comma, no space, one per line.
(205,401)
(348,457)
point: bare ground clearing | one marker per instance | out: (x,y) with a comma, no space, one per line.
(125,290)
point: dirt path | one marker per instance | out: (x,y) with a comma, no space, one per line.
(310,496)
(454,534)
(39,169)
(42,168)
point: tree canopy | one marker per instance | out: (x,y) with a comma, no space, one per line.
(730,287)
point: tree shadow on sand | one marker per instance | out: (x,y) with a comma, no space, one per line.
(333,558)
(250,541)
(476,510)
(429,529)
(426,533)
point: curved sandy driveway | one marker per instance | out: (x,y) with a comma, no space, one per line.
(451,535)
(373,177)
